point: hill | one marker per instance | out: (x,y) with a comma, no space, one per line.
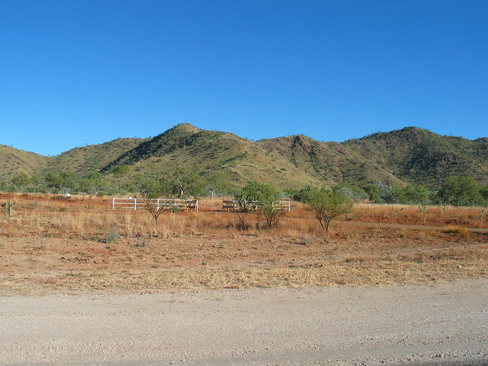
(330,162)
(90,158)
(409,155)
(239,160)
(420,156)
(14,162)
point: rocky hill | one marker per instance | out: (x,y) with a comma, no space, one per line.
(419,156)
(409,155)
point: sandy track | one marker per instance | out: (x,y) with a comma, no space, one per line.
(415,324)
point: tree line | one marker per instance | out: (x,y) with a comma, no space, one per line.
(183,182)
(175,182)
(454,191)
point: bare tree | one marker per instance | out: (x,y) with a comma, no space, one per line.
(155,207)
(151,189)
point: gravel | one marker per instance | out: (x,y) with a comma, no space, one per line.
(436,324)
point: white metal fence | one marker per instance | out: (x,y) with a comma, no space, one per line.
(141,203)
(279,205)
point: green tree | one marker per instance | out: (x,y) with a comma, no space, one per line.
(484,192)
(21,181)
(215,183)
(4,186)
(184,182)
(373,192)
(301,195)
(413,194)
(93,183)
(120,171)
(461,191)
(386,194)
(61,181)
(348,190)
(245,204)
(262,199)
(327,205)
(148,186)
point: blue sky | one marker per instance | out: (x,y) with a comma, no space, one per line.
(86,72)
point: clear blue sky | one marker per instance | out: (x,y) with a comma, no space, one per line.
(87,72)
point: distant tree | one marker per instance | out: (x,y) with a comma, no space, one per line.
(120,171)
(301,195)
(21,181)
(387,194)
(149,186)
(461,191)
(348,190)
(185,182)
(93,183)
(413,194)
(327,205)
(214,183)
(373,192)
(4,187)
(484,192)
(61,181)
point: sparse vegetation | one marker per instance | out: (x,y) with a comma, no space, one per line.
(392,160)
(109,249)
(327,205)
(261,199)
(9,205)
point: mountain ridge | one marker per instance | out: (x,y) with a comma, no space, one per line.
(399,157)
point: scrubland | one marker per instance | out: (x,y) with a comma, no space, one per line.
(52,244)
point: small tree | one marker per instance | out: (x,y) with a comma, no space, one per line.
(327,205)
(155,208)
(151,189)
(244,205)
(261,198)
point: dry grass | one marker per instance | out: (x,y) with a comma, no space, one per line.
(82,244)
(432,215)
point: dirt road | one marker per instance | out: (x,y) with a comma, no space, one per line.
(415,324)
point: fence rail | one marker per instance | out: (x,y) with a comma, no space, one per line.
(141,203)
(279,205)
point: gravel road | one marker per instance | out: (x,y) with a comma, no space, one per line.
(438,324)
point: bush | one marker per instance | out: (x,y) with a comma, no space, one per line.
(260,198)
(327,205)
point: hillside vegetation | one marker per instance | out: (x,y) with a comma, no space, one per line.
(398,158)
(15,162)
(420,156)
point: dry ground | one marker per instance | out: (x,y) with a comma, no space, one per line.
(54,245)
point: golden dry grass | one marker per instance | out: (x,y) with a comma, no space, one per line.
(82,244)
